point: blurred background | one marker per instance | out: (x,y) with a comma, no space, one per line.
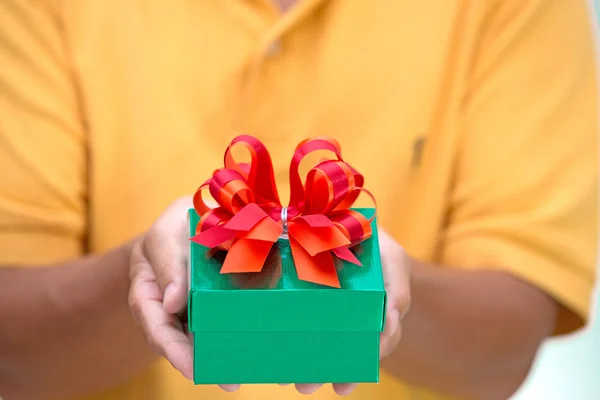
(569,368)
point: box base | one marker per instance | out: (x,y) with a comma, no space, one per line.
(286,357)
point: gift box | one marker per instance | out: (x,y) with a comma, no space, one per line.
(283,294)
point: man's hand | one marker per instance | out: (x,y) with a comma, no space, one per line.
(396,273)
(158,292)
(397,268)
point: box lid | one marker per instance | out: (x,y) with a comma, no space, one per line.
(276,300)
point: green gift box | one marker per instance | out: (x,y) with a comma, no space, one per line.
(271,327)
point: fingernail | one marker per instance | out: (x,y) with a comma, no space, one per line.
(230,388)
(345,389)
(308,388)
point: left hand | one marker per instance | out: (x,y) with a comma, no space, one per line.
(396,274)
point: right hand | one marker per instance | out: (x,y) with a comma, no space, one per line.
(159,287)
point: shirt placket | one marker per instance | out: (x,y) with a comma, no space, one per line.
(263,16)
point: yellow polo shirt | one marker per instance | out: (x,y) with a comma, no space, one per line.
(474,122)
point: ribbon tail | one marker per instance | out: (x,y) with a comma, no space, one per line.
(318,269)
(345,254)
(213,237)
(246,255)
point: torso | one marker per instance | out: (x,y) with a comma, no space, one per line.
(166,86)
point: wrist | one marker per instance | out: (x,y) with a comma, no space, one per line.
(90,285)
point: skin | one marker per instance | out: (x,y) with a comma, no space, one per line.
(462,323)
(159,293)
(66,328)
(285,5)
(471,334)
(82,306)
(154,273)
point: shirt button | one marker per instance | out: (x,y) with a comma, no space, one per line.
(274,49)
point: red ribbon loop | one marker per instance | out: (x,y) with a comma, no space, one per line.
(247,221)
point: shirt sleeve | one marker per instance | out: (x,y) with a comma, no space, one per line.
(42,141)
(525,196)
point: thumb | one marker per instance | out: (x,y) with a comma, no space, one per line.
(165,247)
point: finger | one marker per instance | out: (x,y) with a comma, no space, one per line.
(163,331)
(390,337)
(168,258)
(344,389)
(308,388)
(165,335)
(166,248)
(143,287)
(397,266)
(229,388)
(175,297)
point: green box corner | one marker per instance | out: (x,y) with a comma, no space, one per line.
(271,327)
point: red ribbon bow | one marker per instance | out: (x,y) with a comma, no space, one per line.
(249,217)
